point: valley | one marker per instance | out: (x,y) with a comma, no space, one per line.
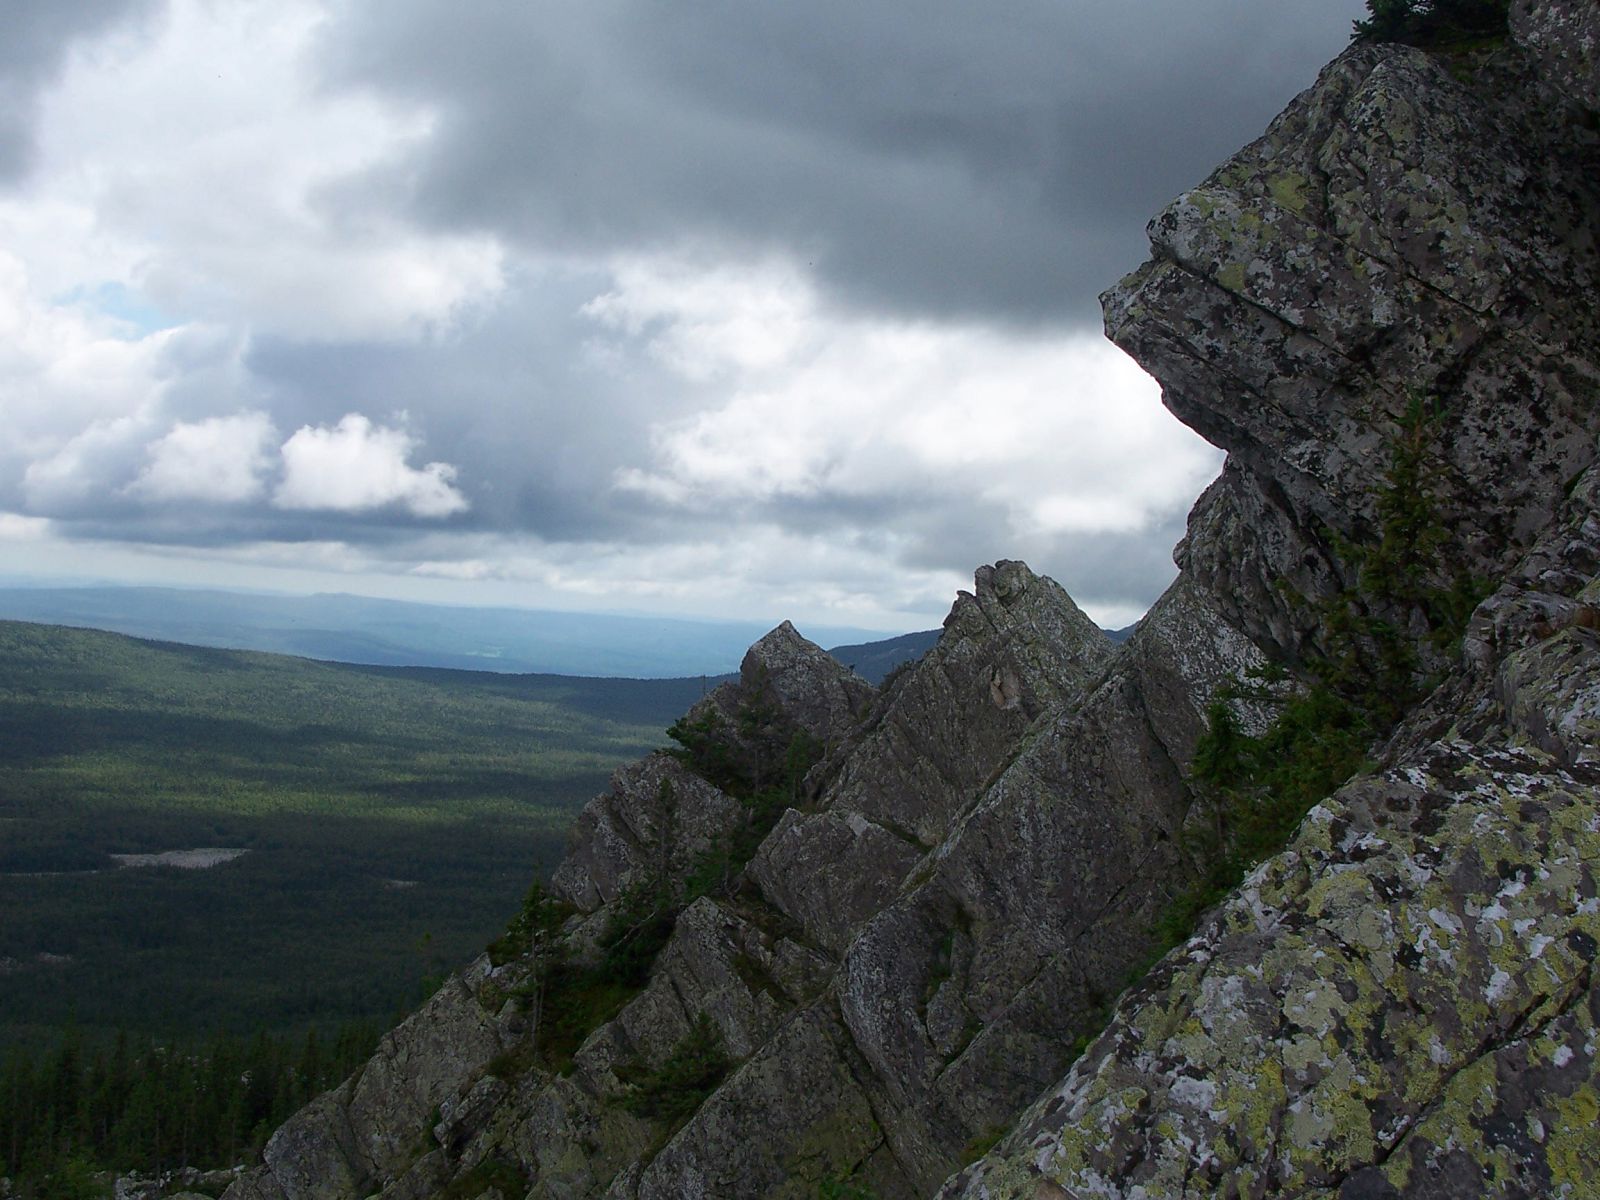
(362,829)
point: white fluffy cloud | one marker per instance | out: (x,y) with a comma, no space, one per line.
(709,318)
(1062,433)
(61,371)
(357,466)
(219,459)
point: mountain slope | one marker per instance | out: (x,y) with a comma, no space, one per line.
(1384,311)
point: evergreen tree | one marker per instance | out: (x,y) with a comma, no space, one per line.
(1432,22)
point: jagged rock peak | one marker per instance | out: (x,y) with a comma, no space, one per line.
(660,817)
(1048,645)
(656,817)
(1012,649)
(1016,649)
(812,688)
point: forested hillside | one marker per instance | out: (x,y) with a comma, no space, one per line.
(391,820)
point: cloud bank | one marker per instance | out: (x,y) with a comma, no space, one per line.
(737,309)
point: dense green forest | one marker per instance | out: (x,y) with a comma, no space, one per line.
(73,1116)
(390,819)
(393,820)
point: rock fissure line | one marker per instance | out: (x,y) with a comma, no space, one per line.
(1521,1034)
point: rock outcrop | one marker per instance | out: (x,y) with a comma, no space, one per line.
(852,938)
(1404,1002)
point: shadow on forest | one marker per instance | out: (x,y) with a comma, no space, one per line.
(36,733)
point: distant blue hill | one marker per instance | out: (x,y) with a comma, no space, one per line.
(371,632)
(399,633)
(874,660)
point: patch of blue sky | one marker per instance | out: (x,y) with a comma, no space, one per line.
(132,313)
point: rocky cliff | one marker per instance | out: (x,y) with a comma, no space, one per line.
(874,942)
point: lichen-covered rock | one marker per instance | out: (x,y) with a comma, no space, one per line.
(655,822)
(1400,1004)
(1403,230)
(1566,36)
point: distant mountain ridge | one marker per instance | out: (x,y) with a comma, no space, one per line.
(874,660)
(394,633)
(334,627)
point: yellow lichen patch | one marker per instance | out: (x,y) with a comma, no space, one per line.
(1072,1152)
(1345,895)
(1257,1108)
(1331,1126)
(1231,277)
(1289,191)
(1573,1152)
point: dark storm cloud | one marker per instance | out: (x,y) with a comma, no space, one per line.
(945,158)
(616,389)
(34,40)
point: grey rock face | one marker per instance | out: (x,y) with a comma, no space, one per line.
(1014,648)
(1013,652)
(786,685)
(1398,233)
(805,683)
(966,994)
(659,818)
(779,1127)
(830,871)
(370,1128)
(1565,34)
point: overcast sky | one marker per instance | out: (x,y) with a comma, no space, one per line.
(733,309)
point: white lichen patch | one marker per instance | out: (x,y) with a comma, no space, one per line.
(201,859)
